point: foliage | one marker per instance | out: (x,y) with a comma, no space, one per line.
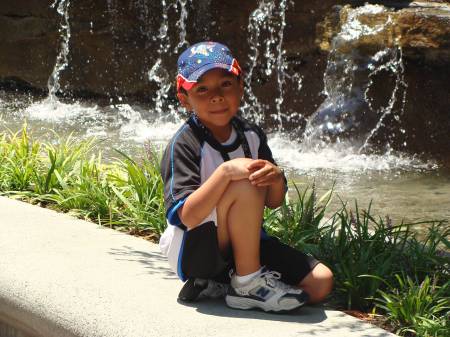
(365,253)
(19,161)
(298,223)
(140,188)
(418,308)
(125,194)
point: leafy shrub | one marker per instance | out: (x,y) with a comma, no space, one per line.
(360,249)
(417,308)
(125,194)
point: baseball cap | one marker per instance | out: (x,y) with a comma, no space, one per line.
(201,57)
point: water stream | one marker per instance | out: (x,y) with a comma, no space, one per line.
(401,186)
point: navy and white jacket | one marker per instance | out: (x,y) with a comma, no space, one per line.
(189,159)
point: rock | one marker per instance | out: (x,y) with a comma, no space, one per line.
(422,30)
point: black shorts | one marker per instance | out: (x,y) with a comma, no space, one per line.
(202,258)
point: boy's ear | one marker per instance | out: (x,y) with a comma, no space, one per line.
(184,101)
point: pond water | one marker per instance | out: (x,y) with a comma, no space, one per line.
(400,186)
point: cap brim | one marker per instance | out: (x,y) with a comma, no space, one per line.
(192,80)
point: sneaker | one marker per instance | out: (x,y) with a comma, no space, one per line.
(265,292)
(195,289)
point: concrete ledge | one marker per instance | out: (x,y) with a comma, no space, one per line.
(64,277)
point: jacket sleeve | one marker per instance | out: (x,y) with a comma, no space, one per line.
(180,171)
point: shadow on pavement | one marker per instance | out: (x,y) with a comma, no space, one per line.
(153,262)
(307,314)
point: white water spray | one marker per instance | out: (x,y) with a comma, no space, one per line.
(51,109)
(394,65)
(181,24)
(266,23)
(62,60)
(281,64)
(164,109)
(347,81)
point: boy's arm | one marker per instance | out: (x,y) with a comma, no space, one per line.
(202,201)
(270,174)
(266,173)
(276,192)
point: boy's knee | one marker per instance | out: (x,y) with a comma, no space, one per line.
(243,193)
(318,283)
(326,284)
(243,188)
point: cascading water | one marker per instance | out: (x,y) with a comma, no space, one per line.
(62,58)
(51,109)
(164,111)
(181,23)
(164,108)
(348,111)
(339,134)
(394,65)
(266,34)
(281,64)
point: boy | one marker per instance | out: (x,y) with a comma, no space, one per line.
(218,175)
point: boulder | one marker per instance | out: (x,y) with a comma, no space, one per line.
(422,30)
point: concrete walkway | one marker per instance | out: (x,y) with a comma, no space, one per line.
(60,277)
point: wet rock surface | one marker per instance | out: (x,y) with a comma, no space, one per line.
(114,44)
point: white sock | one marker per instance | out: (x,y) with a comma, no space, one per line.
(246,278)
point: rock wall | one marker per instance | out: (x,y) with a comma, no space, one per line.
(114,44)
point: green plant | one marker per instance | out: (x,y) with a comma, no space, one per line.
(420,308)
(140,188)
(298,223)
(87,193)
(357,244)
(354,244)
(61,160)
(20,159)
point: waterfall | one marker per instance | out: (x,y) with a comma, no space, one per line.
(181,24)
(159,74)
(51,109)
(114,22)
(53,84)
(266,34)
(348,110)
(281,64)
(393,64)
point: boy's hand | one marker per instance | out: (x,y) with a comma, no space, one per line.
(264,173)
(237,169)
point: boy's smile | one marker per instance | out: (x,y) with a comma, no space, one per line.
(215,99)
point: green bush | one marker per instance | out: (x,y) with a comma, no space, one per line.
(418,308)
(19,161)
(360,249)
(140,188)
(124,194)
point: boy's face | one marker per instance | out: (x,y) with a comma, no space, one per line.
(215,98)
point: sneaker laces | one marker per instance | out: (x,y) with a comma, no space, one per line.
(272,279)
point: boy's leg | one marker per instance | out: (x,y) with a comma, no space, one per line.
(297,269)
(318,283)
(242,206)
(239,215)
(239,218)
